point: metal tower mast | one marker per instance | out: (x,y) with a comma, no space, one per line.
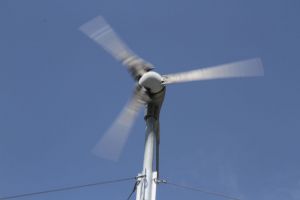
(147,183)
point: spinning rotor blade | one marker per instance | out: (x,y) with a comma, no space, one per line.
(246,68)
(100,31)
(111,144)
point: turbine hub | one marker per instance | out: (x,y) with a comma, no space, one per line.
(152,80)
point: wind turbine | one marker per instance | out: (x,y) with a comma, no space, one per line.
(149,91)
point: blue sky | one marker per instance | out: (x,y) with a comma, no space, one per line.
(59,92)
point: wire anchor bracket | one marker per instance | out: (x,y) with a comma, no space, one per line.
(158,181)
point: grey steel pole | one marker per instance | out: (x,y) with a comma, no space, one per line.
(146,187)
(148,156)
(146,190)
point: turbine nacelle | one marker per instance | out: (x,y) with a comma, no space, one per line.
(152,81)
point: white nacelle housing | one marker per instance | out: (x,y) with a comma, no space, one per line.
(151,80)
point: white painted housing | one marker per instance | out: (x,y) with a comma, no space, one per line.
(152,80)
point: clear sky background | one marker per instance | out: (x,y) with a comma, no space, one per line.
(59,92)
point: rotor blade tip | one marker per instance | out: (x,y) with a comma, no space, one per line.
(99,152)
(260,66)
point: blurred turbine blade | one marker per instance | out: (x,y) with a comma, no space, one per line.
(100,31)
(111,144)
(245,68)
